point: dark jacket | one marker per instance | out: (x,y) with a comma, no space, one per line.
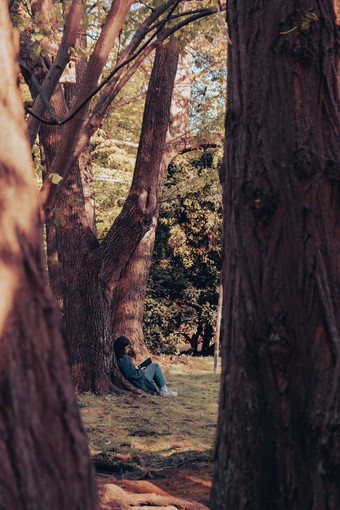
(136,375)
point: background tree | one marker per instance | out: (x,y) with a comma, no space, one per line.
(132,288)
(131,291)
(39,419)
(278,431)
(182,291)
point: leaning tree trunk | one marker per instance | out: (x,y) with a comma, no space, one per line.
(278,441)
(131,292)
(43,450)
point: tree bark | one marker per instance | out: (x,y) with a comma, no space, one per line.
(72,244)
(70,32)
(277,441)
(43,453)
(71,230)
(78,133)
(131,292)
(130,295)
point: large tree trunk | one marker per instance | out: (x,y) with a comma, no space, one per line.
(92,293)
(278,441)
(71,230)
(43,450)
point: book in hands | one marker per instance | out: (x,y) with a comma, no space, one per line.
(145,363)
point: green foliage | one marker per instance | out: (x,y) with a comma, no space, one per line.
(28,19)
(184,279)
(113,165)
(58,215)
(60,222)
(207,109)
(55,178)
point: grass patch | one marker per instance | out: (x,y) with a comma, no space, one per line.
(145,433)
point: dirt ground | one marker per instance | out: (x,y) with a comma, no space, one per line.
(180,488)
(154,452)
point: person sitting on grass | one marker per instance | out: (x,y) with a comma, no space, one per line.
(141,378)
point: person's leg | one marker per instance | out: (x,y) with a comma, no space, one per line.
(154,372)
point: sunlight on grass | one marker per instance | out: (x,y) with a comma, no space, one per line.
(153,432)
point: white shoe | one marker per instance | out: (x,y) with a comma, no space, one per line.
(166,392)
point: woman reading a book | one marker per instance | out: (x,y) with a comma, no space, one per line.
(145,375)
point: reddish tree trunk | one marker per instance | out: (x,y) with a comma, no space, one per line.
(90,291)
(94,68)
(131,291)
(71,230)
(43,450)
(278,432)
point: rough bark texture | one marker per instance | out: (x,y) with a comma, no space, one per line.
(71,230)
(43,449)
(278,441)
(131,292)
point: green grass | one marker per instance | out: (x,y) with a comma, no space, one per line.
(144,432)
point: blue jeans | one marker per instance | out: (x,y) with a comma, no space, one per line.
(154,371)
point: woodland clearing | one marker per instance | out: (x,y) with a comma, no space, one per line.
(156,451)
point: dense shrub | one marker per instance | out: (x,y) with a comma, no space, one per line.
(182,295)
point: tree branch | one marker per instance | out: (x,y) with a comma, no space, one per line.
(52,78)
(73,143)
(136,40)
(32,82)
(114,87)
(123,142)
(146,45)
(125,100)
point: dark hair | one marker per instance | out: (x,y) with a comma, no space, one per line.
(119,346)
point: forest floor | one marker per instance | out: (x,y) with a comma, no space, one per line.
(154,451)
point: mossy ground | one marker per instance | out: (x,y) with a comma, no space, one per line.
(149,437)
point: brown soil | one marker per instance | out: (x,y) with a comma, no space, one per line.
(156,453)
(171,488)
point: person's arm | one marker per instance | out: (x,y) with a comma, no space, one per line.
(128,369)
